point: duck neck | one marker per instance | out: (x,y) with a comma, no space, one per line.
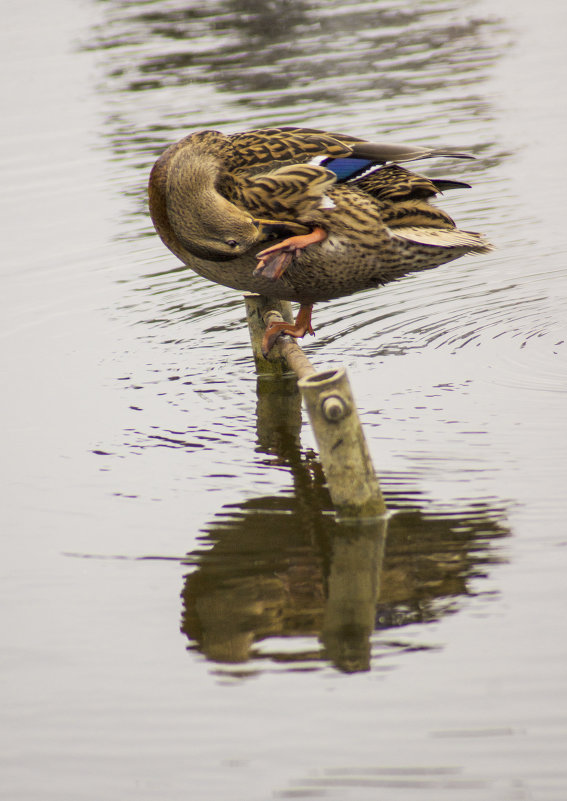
(182,196)
(190,215)
(191,187)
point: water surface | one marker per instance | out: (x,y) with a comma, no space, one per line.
(182,615)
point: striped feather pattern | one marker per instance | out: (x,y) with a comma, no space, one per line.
(292,192)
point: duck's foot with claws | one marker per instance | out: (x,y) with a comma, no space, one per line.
(298,329)
(275,260)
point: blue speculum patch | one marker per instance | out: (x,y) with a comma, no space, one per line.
(346,168)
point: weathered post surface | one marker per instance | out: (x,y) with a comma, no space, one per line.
(327,395)
(344,454)
(286,353)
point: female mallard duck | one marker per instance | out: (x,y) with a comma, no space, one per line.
(343,221)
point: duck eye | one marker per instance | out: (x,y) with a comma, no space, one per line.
(232,243)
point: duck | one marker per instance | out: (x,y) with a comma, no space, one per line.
(302,215)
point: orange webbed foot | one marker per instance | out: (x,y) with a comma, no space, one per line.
(275,260)
(298,329)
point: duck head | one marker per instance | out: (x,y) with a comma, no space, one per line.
(188,211)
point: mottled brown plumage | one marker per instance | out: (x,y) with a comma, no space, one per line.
(216,200)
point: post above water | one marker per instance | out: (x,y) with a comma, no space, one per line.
(328,398)
(344,454)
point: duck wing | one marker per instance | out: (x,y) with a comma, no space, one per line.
(394,183)
(293,192)
(268,148)
(344,155)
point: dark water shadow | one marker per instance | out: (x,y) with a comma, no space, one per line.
(277,580)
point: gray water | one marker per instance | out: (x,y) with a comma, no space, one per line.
(173,581)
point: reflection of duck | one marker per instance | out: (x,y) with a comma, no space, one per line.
(347,222)
(279,579)
(274,574)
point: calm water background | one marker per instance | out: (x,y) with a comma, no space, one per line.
(168,554)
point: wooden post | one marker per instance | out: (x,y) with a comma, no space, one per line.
(344,454)
(343,451)
(286,354)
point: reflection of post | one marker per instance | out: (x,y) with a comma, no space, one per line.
(278,415)
(353,590)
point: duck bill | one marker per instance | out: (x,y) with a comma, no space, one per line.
(268,230)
